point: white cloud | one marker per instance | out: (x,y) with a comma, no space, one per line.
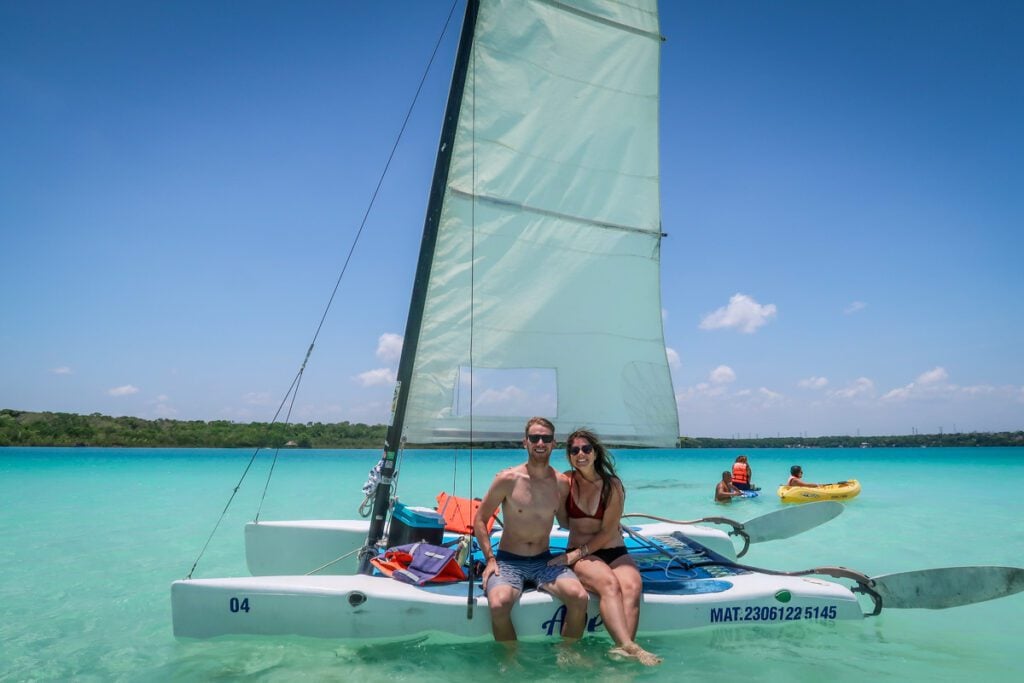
(930,383)
(813,383)
(389,347)
(257,398)
(932,376)
(377,377)
(900,394)
(854,307)
(673,358)
(126,390)
(62,370)
(161,409)
(742,313)
(862,386)
(723,374)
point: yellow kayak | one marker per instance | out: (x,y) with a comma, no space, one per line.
(844,490)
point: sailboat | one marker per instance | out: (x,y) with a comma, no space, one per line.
(539,268)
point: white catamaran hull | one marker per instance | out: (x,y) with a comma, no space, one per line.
(373,607)
(300,547)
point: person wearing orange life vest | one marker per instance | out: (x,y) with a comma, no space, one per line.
(742,475)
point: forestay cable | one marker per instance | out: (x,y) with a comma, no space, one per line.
(292,392)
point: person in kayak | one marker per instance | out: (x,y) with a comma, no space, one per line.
(725,491)
(796,474)
(592,511)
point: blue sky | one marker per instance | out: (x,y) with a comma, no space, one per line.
(180,182)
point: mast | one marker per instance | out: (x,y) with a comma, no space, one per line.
(392,439)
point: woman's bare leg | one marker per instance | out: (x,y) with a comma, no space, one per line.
(599,578)
(631,587)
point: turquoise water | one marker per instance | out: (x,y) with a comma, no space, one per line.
(92,538)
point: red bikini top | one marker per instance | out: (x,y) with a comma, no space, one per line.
(574,510)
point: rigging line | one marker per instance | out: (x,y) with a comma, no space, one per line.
(287,420)
(472,269)
(334,561)
(293,389)
(383,174)
(472,293)
(399,457)
(455,469)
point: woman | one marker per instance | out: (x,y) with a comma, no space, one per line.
(597,553)
(742,474)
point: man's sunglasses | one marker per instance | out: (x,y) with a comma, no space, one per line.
(537,438)
(575,450)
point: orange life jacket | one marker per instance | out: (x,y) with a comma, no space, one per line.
(420,563)
(740,473)
(459,513)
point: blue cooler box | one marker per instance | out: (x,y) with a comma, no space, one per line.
(415,525)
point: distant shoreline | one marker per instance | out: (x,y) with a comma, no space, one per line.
(25,428)
(964,439)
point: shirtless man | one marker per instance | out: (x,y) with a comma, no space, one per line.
(725,491)
(795,474)
(529,494)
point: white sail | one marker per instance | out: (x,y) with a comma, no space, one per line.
(548,244)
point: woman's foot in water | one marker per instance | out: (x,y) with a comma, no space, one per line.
(634,651)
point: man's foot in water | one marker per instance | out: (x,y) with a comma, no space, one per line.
(567,655)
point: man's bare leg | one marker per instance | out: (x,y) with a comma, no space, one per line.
(575,598)
(501,599)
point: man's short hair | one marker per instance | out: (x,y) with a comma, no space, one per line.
(542,421)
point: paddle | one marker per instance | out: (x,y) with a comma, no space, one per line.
(788,522)
(770,527)
(947,586)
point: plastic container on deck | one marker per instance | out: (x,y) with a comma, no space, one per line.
(415,525)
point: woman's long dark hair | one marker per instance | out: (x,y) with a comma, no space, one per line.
(604,463)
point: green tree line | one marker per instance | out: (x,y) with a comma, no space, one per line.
(23,428)
(905,441)
(20,428)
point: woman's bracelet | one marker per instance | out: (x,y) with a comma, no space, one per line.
(584,550)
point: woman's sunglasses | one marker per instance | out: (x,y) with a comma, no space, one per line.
(537,438)
(575,450)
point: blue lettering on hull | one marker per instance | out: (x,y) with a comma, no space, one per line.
(725,615)
(553,626)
